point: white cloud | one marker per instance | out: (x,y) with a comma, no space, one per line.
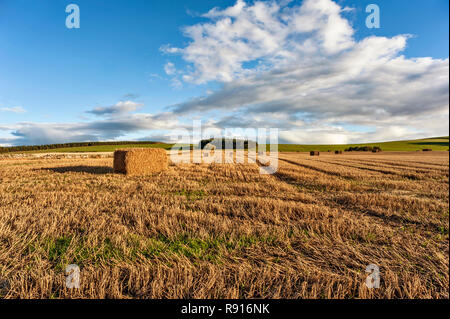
(266,33)
(315,72)
(167,49)
(14,109)
(29,133)
(119,108)
(170,69)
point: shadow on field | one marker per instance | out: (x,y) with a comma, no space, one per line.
(286,178)
(98,170)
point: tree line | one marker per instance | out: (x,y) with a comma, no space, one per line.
(363,149)
(24,148)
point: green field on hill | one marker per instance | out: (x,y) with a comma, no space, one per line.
(435,143)
(102,148)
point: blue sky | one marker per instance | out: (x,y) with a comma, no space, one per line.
(51,76)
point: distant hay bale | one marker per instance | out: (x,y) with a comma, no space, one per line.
(376,149)
(140,161)
(337,152)
(314,153)
(427,150)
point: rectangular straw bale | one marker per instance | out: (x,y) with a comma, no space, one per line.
(314,153)
(140,161)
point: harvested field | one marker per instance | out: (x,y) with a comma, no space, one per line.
(225,231)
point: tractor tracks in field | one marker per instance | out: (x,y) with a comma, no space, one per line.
(334,202)
(313,168)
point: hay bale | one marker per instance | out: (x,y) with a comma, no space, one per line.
(427,150)
(314,153)
(376,149)
(140,161)
(337,152)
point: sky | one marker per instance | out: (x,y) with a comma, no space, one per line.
(142,70)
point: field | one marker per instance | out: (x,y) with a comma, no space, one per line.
(225,231)
(103,148)
(436,144)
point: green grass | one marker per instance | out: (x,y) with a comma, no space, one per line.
(67,249)
(435,143)
(191,194)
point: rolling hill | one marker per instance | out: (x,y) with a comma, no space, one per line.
(434,143)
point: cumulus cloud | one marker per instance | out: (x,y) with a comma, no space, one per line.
(265,33)
(117,125)
(313,71)
(367,84)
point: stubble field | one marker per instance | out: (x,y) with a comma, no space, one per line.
(225,231)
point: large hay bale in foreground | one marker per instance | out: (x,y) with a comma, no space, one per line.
(140,161)
(314,153)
